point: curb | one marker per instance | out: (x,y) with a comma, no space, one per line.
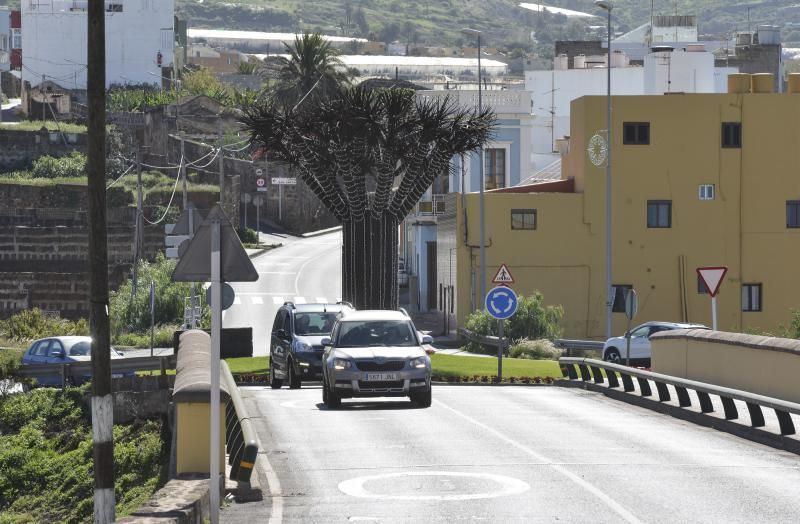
(321,232)
(264,250)
(501,384)
(738,430)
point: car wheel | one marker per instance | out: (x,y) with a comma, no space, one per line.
(294,378)
(612,355)
(274,383)
(324,392)
(334,400)
(423,400)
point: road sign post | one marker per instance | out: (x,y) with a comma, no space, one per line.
(712,278)
(631,307)
(501,302)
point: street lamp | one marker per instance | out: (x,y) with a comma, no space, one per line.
(476,33)
(608,6)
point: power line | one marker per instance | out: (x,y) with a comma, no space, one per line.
(169,204)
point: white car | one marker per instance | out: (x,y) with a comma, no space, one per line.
(614,350)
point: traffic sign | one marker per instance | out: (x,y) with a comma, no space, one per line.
(503,276)
(501,302)
(283,181)
(631,303)
(261,184)
(712,278)
(228,295)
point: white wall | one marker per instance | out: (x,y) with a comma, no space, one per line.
(679,71)
(54,42)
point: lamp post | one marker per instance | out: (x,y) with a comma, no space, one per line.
(481,211)
(608,6)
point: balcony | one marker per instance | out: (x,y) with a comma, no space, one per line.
(501,101)
(434,206)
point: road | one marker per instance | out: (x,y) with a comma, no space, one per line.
(513,454)
(302,270)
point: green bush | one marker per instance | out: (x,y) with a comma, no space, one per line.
(10,361)
(70,166)
(31,324)
(162,337)
(533,320)
(133,315)
(542,349)
(247,235)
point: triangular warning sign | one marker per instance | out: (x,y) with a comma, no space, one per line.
(503,276)
(195,263)
(712,277)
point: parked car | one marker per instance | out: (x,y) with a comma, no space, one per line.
(295,352)
(614,348)
(376,354)
(63,350)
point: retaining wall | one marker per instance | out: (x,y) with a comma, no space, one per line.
(19,148)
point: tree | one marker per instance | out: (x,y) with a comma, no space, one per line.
(369,156)
(312,69)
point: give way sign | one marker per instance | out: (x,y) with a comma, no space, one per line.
(712,278)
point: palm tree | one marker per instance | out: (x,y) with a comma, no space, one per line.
(368,156)
(312,71)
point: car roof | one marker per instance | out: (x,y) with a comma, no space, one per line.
(319,308)
(69,340)
(677,325)
(375,314)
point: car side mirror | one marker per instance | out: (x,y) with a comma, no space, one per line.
(57,354)
(427,339)
(327,342)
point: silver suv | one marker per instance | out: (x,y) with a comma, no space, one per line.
(375,354)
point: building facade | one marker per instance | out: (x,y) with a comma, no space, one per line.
(699,180)
(139,41)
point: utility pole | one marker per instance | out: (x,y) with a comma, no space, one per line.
(41,86)
(221,165)
(138,238)
(183,171)
(102,403)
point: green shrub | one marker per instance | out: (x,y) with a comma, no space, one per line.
(247,235)
(541,349)
(70,166)
(10,361)
(31,324)
(533,320)
(162,337)
(133,315)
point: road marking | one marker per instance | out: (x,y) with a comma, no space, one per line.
(299,300)
(237,300)
(278,301)
(597,492)
(257,300)
(276,272)
(508,486)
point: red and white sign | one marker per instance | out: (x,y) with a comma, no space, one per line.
(712,277)
(503,276)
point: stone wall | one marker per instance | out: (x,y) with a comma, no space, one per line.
(18,149)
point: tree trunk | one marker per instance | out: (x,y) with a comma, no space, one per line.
(369,262)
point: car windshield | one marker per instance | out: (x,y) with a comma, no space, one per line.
(376,333)
(319,323)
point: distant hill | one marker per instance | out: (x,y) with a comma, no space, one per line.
(438,22)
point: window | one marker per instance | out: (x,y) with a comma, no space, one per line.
(495,168)
(751,297)
(701,286)
(659,213)
(16,39)
(732,134)
(41,349)
(620,290)
(523,219)
(636,133)
(793,213)
(114,8)
(705,192)
(55,348)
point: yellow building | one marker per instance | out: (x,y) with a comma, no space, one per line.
(698,180)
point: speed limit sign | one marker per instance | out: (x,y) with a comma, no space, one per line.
(261,184)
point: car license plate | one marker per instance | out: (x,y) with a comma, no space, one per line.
(116,375)
(380,376)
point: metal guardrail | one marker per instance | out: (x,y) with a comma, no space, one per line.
(590,370)
(241,440)
(84,368)
(479,339)
(581,345)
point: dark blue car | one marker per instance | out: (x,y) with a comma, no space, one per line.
(63,350)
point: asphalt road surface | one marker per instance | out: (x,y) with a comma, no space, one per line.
(303,270)
(506,454)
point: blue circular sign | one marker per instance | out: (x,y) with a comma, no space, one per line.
(501,302)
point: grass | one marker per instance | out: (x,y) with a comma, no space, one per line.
(36,125)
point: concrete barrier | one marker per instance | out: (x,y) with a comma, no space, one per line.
(764,365)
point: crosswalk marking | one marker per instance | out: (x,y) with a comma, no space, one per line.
(257,300)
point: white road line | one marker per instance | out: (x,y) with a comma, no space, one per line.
(237,300)
(321,300)
(257,300)
(597,492)
(299,300)
(276,272)
(278,301)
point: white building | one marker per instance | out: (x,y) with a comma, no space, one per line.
(5,38)
(690,71)
(139,41)
(244,39)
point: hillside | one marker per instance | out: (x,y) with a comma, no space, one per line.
(438,22)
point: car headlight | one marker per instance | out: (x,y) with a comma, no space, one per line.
(341,363)
(419,362)
(301,347)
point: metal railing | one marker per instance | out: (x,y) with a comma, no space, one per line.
(580,345)
(479,339)
(69,371)
(591,370)
(241,440)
